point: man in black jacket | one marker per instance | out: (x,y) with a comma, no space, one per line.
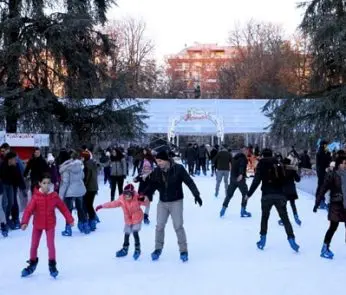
(37,166)
(238,180)
(271,174)
(167,178)
(323,159)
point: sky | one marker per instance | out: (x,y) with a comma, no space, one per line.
(172,24)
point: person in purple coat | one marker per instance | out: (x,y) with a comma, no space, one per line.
(53,171)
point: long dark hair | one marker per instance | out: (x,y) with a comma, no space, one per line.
(119,155)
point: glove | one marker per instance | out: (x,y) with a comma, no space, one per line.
(315,209)
(198,201)
(98,208)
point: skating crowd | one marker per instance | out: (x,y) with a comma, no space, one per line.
(70,181)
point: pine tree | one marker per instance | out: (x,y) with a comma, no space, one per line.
(323,111)
(36,45)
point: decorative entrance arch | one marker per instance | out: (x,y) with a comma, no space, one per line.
(196,114)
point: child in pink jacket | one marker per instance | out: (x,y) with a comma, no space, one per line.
(130,201)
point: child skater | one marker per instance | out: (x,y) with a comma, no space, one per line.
(130,201)
(42,207)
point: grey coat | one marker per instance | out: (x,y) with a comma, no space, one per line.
(118,168)
(72,176)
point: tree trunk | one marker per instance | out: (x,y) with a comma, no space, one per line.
(13,71)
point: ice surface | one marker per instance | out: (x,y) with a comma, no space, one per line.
(223,255)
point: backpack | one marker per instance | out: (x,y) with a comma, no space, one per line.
(274,172)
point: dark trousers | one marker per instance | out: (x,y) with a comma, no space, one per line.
(89,204)
(330,232)
(79,206)
(281,207)
(294,207)
(191,165)
(15,206)
(320,180)
(8,200)
(242,186)
(106,174)
(116,181)
(202,164)
(135,167)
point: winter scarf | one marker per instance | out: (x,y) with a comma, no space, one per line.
(342,174)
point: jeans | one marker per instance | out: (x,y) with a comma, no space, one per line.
(79,206)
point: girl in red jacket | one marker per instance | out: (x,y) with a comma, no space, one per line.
(42,207)
(131,204)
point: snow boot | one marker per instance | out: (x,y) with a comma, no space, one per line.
(137,253)
(326,253)
(68,231)
(293,244)
(146,219)
(223,211)
(184,256)
(262,242)
(156,254)
(30,268)
(92,224)
(86,228)
(4,230)
(52,268)
(297,220)
(122,252)
(97,218)
(216,195)
(280,222)
(244,213)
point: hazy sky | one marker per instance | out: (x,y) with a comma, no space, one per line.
(174,23)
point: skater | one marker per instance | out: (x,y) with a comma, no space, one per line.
(131,203)
(37,165)
(222,166)
(335,182)
(323,159)
(145,168)
(53,171)
(238,180)
(191,156)
(271,173)
(72,189)
(91,185)
(12,178)
(289,187)
(167,178)
(118,172)
(42,206)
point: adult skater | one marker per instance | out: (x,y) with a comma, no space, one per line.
(238,180)
(335,182)
(271,173)
(323,159)
(222,162)
(167,178)
(291,177)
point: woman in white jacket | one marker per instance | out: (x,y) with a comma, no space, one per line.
(72,190)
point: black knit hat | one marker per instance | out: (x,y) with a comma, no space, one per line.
(162,156)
